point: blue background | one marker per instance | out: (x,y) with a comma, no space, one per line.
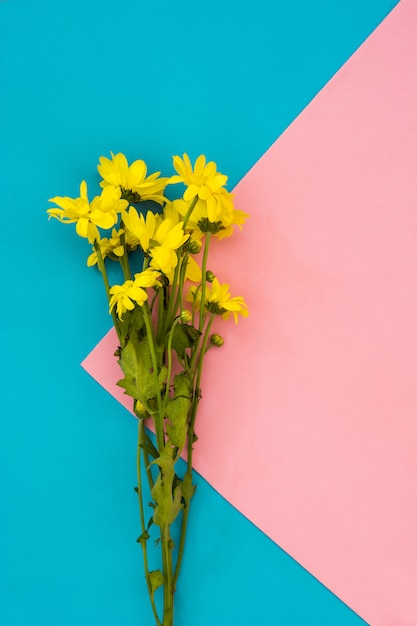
(79,79)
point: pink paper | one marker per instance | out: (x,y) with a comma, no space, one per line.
(311,404)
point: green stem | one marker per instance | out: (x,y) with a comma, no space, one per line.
(169,356)
(175,285)
(143,525)
(191,425)
(102,268)
(159,423)
(204,280)
(124,259)
(176,294)
(183,273)
(168,619)
(190,210)
(202,353)
(161,313)
(146,456)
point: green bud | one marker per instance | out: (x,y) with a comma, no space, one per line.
(185,316)
(210,276)
(193,246)
(140,410)
(216,340)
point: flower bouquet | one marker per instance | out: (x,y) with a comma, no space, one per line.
(163,311)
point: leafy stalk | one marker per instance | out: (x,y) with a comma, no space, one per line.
(191,435)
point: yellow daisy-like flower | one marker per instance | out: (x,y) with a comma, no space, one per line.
(218,300)
(202,180)
(125,297)
(140,227)
(113,247)
(199,223)
(100,213)
(132,180)
(159,238)
(193,271)
(168,237)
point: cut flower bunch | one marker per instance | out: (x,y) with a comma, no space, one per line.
(163,311)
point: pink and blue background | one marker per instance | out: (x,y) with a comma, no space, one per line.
(79,80)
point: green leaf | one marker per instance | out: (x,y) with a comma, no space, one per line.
(157,580)
(163,375)
(168,501)
(130,387)
(132,323)
(136,363)
(149,447)
(188,489)
(143,538)
(177,411)
(184,336)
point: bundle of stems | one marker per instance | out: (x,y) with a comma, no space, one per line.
(163,316)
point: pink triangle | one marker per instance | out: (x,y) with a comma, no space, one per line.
(308,423)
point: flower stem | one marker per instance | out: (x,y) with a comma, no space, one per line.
(124,259)
(143,539)
(177,285)
(102,268)
(166,541)
(151,481)
(159,423)
(191,425)
(190,210)
(204,280)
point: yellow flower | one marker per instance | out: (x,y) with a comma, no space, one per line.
(124,297)
(100,213)
(199,222)
(131,179)
(159,238)
(202,180)
(218,300)
(192,272)
(168,237)
(139,227)
(113,246)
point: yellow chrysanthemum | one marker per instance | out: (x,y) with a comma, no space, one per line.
(168,237)
(218,300)
(140,227)
(199,223)
(131,179)
(113,247)
(193,270)
(159,238)
(100,213)
(125,297)
(202,180)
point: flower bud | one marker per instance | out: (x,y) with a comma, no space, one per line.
(210,276)
(185,316)
(193,246)
(140,410)
(216,340)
